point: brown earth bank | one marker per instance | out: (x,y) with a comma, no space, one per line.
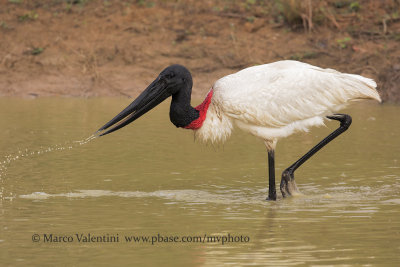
(113,48)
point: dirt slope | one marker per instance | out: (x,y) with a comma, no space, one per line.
(113,48)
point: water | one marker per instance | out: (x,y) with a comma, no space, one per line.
(151,180)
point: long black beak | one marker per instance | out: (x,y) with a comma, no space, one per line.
(154,94)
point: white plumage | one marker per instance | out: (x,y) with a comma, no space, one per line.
(274,100)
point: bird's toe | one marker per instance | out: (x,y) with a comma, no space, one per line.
(288,185)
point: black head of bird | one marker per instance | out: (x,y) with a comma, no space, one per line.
(175,81)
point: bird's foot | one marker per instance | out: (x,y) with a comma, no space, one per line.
(288,185)
(271,196)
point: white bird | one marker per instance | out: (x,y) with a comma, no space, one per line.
(269,101)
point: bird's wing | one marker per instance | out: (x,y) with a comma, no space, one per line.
(277,94)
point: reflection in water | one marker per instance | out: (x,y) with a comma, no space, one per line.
(151,178)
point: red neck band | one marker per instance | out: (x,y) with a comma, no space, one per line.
(202,108)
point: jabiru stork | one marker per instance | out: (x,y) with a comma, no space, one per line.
(269,101)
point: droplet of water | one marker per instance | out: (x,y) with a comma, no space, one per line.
(68,145)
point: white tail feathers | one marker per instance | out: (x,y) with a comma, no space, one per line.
(366,87)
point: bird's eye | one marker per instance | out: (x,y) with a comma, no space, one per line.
(170,75)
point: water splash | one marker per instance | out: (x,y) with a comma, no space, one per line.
(87,140)
(336,198)
(185,195)
(7,160)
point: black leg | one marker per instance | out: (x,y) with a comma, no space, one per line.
(271,172)
(288,185)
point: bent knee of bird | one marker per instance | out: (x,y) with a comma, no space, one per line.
(345,119)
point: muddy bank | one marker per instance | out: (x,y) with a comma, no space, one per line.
(116,48)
